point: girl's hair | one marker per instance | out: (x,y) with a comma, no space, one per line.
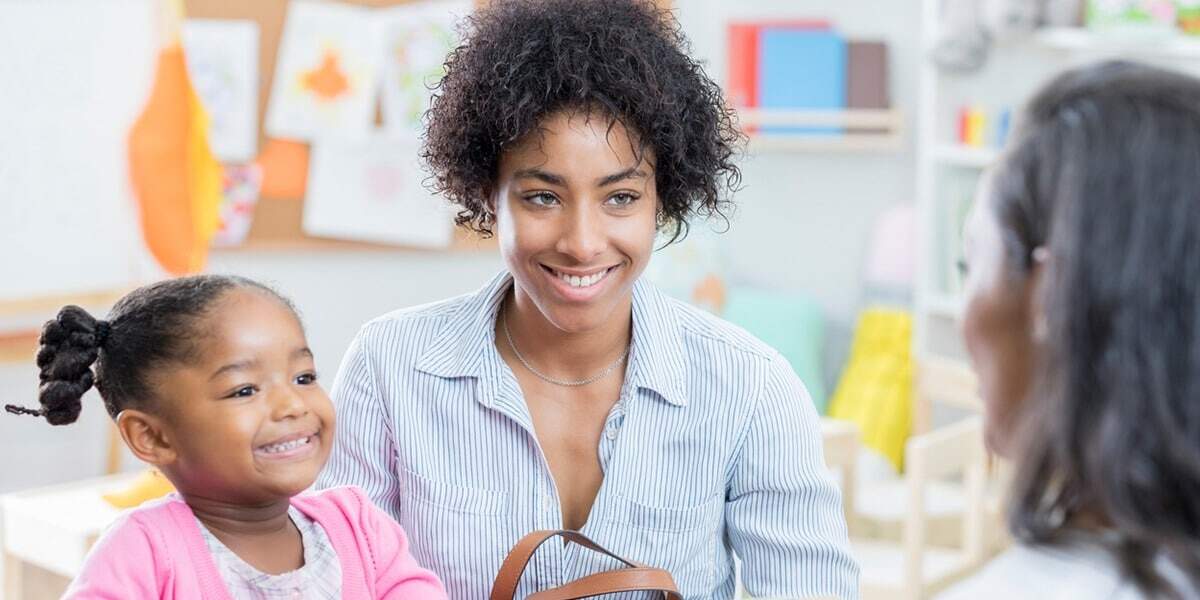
(1105,173)
(152,326)
(625,59)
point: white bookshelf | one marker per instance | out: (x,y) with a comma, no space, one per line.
(1135,46)
(964,156)
(946,170)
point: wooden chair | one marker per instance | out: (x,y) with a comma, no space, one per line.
(913,568)
(950,387)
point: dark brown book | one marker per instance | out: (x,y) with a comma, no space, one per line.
(867,75)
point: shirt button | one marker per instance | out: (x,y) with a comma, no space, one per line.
(612,433)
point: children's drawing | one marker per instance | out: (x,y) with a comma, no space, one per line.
(373,190)
(418,37)
(240,186)
(222,61)
(326,78)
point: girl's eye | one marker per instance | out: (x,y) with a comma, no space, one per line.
(622,199)
(306,379)
(542,199)
(244,392)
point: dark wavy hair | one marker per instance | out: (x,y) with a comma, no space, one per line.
(1105,173)
(524,60)
(149,328)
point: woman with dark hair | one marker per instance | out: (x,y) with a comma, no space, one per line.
(1083,322)
(567,393)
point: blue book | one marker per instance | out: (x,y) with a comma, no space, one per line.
(802,69)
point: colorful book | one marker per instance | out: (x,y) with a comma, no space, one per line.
(743,68)
(801,69)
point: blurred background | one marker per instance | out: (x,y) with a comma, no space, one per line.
(278,140)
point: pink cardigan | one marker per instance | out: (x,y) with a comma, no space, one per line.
(157,551)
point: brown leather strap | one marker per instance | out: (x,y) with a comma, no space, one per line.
(505,586)
(639,579)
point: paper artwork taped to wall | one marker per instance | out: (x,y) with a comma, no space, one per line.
(373,190)
(418,37)
(222,61)
(326,76)
(240,185)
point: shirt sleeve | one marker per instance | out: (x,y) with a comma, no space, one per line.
(364,452)
(122,564)
(783,511)
(397,574)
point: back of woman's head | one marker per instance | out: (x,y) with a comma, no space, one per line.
(153,326)
(1105,174)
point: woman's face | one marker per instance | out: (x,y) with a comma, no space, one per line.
(576,218)
(997,321)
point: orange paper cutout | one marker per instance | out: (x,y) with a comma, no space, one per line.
(327,81)
(284,166)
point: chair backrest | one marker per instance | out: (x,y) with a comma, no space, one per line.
(943,381)
(956,449)
(841,446)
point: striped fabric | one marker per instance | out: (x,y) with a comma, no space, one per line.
(319,579)
(712,449)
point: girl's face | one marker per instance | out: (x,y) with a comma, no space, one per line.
(248,421)
(997,322)
(576,218)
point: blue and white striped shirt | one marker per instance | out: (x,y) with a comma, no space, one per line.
(712,449)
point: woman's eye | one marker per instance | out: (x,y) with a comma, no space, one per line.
(542,199)
(622,199)
(306,379)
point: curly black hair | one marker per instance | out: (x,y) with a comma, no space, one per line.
(152,326)
(524,60)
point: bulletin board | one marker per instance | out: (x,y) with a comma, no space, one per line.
(278,216)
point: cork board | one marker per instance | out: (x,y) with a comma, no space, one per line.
(279,213)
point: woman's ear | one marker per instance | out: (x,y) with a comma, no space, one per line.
(147,437)
(1037,277)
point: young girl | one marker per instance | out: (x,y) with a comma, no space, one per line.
(210,379)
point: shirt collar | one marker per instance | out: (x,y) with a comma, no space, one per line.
(656,359)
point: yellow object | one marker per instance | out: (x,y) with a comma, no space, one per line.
(876,387)
(148,486)
(976,127)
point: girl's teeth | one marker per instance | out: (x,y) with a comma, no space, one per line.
(284,447)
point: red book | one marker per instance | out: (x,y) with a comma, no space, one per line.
(742,67)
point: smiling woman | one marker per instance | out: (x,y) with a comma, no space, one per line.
(567,393)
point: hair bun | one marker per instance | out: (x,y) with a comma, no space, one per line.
(70,344)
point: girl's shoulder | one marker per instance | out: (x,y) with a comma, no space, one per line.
(1076,571)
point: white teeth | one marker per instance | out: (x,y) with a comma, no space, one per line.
(285,446)
(588,281)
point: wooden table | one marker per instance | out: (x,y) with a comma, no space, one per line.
(54,527)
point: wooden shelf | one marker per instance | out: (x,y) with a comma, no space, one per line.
(865,130)
(1126,43)
(945,305)
(965,156)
